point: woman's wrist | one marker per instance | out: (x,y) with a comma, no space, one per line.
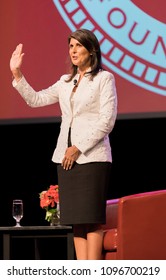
(76,149)
(17,75)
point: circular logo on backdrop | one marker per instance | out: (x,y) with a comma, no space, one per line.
(133,42)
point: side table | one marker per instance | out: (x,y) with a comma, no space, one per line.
(36,232)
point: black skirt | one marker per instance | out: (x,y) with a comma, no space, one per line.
(83,193)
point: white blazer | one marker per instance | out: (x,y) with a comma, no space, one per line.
(91,118)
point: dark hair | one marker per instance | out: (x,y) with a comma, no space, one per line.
(91,43)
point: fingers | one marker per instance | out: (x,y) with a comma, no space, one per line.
(67,163)
(18,51)
(19,48)
(71,155)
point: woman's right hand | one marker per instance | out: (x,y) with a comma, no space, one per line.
(16,62)
(71,155)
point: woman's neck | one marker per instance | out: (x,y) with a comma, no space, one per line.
(83,71)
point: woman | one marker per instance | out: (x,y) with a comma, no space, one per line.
(88,101)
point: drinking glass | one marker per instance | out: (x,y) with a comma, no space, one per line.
(17,211)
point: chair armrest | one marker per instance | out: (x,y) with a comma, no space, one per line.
(111,214)
(110,229)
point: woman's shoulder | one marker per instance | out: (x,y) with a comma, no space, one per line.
(64,77)
(105,75)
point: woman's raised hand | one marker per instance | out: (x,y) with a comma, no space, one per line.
(16,62)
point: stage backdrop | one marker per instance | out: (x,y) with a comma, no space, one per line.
(133,43)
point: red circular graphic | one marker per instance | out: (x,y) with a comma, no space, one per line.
(132,39)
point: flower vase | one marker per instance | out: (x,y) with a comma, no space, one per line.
(55,218)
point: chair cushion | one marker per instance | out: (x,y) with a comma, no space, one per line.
(110,240)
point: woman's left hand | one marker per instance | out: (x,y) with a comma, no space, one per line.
(71,155)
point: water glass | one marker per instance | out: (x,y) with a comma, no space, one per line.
(17,211)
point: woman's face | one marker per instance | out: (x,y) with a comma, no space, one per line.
(79,55)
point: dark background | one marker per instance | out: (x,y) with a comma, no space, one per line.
(138,148)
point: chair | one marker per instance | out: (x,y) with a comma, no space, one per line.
(136,227)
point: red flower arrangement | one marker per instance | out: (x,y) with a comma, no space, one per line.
(49,200)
